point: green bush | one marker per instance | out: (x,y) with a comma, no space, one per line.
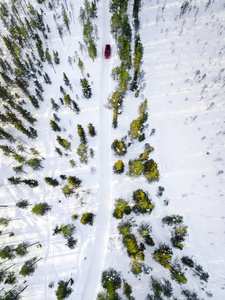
(178,234)
(29,267)
(119,147)
(142,204)
(136,168)
(71,242)
(121,208)
(82,152)
(177,275)
(75,216)
(64,143)
(87,218)
(130,243)
(67,230)
(151,171)
(41,209)
(136,267)
(125,228)
(111,281)
(172,220)
(54,126)
(81,134)
(22,204)
(64,290)
(145,230)
(74,181)
(118,167)
(67,190)
(187,261)
(35,163)
(91,130)
(163,254)
(51,181)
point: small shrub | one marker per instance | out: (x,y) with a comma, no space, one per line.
(75,216)
(71,242)
(34,163)
(136,168)
(87,218)
(130,243)
(29,267)
(82,152)
(81,134)
(121,208)
(145,230)
(177,275)
(125,228)
(51,181)
(54,126)
(74,181)
(142,204)
(151,171)
(119,147)
(72,163)
(163,254)
(136,267)
(41,209)
(67,190)
(64,290)
(172,220)
(187,261)
(22,204)
(91,130)
(67,230)
(118,167)
(64,143)
(111,281)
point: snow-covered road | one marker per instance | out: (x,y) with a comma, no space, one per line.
(91,276)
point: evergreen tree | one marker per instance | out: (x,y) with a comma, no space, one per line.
(56,57)
(47,78)
(54,105)
(31,182)
(40,50)
(6,136)
(54,126)
(75,107)
(51,181)
(64,290)
(35,163)
(81,134)
(41,209)
(91,130)
(65,18)
(86,88)
(11,278)
(8,252)
(118,167)
(22,249)
(64,143)
(74,181)
(49,59)
(22,204)
(29,267)
(67,99)
(66,80)
(82,152)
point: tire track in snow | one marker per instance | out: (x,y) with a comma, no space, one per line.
(92,279)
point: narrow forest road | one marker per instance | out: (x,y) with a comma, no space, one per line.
(103,215)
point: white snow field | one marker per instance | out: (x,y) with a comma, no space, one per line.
(184,83)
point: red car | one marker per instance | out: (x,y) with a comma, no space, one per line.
(107,52)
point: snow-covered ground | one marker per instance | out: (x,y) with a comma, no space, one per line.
(184,84)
